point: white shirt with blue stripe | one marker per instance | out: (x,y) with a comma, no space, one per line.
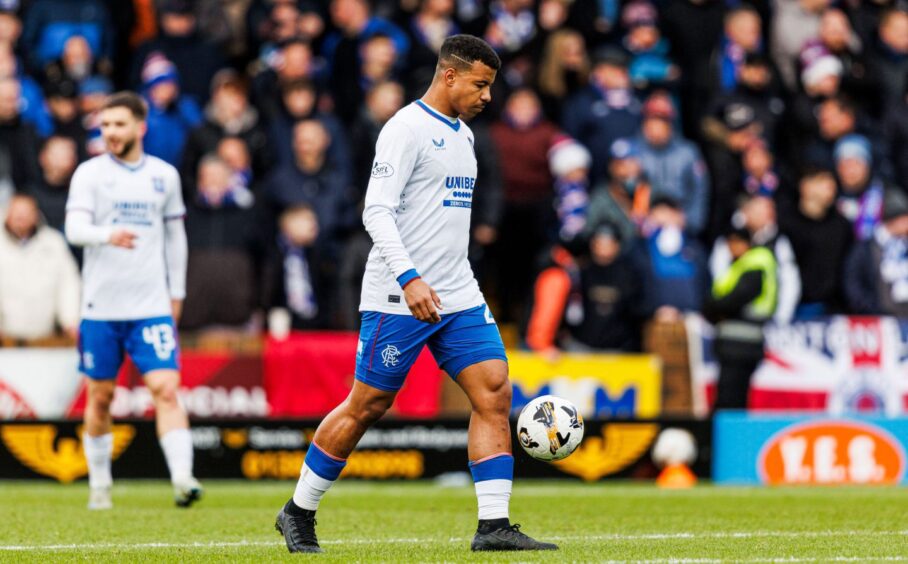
(418,211)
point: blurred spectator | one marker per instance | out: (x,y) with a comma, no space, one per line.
(624,200)
(821,239)
(39,279)
(605,110)
(77,62)
(757,215)
(292,62)
(890,55)
(896,128)
(382,102)
(346,51)
(672,164)
(10,27)
(512,25)
(838,117)
(377,62)
(742,35)
(31,99)
(876,272)
(865,16)
(221,281)
(675,277)
(18,142)
(93,93)
(179,41)
(760,177)
(293,279)
(58,159)
(270,23)
(171,115)
(488,199)
(860,190)
(235,153)
(570,163)
(585,305)
(63,107)
(563,70)
(743,298)
(229,113)
(522,139)
(794,23)
(693,28)
(314,180)
(428,28)
(650,66)
(49,23)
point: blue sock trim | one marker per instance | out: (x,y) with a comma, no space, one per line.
(323,465)
(500,467)
(407,276)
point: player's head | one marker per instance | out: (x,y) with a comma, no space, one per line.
(123,122)
(466,68)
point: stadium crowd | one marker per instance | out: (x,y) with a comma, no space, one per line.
(634,153)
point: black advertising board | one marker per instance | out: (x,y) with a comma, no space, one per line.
(393,449)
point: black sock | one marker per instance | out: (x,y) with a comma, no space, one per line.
(489,525)
(294,509)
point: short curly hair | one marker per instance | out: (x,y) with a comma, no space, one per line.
(461,51)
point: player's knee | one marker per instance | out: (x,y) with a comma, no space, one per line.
(101,398)
(496,396)
(371,410)
(165,395)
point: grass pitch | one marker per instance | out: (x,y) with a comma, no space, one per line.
(423,522)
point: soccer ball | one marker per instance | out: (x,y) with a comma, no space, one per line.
(549,428)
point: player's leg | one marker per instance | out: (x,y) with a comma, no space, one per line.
(471,351)
(388,347)
(152,345)
(100,356)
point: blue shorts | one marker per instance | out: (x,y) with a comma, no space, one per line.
(389,344)
(151,344)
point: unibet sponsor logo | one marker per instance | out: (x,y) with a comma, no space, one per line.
(369,464)
(37,447)
(620,445)
(831,452)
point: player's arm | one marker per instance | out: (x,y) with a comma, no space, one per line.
(395,158)
(176,247)
(79,227)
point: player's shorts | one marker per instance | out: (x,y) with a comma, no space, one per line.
(389,344)
(151,344)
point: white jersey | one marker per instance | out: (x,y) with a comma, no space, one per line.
(118,283)
(418,211)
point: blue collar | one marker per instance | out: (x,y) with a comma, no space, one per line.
(455,125)
(127,166)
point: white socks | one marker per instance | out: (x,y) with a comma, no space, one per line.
(98,453)
(310,488)
(493,497)
(177,447)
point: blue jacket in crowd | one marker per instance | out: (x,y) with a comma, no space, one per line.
(677,170)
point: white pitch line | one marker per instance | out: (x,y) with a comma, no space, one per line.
(603,537)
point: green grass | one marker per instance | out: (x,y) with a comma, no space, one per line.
(422,522)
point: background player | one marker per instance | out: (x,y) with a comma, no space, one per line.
(126,208)
(418,289)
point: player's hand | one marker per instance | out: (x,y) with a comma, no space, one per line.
(123,238)
(422,301)
(176,307)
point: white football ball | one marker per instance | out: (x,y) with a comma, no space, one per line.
(549,428)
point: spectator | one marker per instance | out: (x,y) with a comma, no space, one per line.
(794,23)
(673,165)
(820,238)
(428,28)
(171,115)
(876,271)
(235,153)
(890,55)
(270,24)
(58,159)
(563,70)
(179,41)
(838,117)
(313,180)
(63,107)
(221,281)
(291,63)
(522,139)
(377,62)
(605,110)
(757,215)
(675,278)
(650,66)
(570,162)
(743,298)
(10,26)
(512,25)
(294,282)
(591,305)
(49,23)
(228,114)
(860,190)
(31,99)
(18,143)
(760,176)
(382,102)
(77,62)
(93,93)
(624,200)
(743,35)
(39,279)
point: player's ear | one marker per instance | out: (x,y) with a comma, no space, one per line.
(450,75)
(143,128)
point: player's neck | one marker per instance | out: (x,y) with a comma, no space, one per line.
(132,158)
(440,104)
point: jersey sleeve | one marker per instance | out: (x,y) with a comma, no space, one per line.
(79,227)
(395,158)
(174,208)
(81,192)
